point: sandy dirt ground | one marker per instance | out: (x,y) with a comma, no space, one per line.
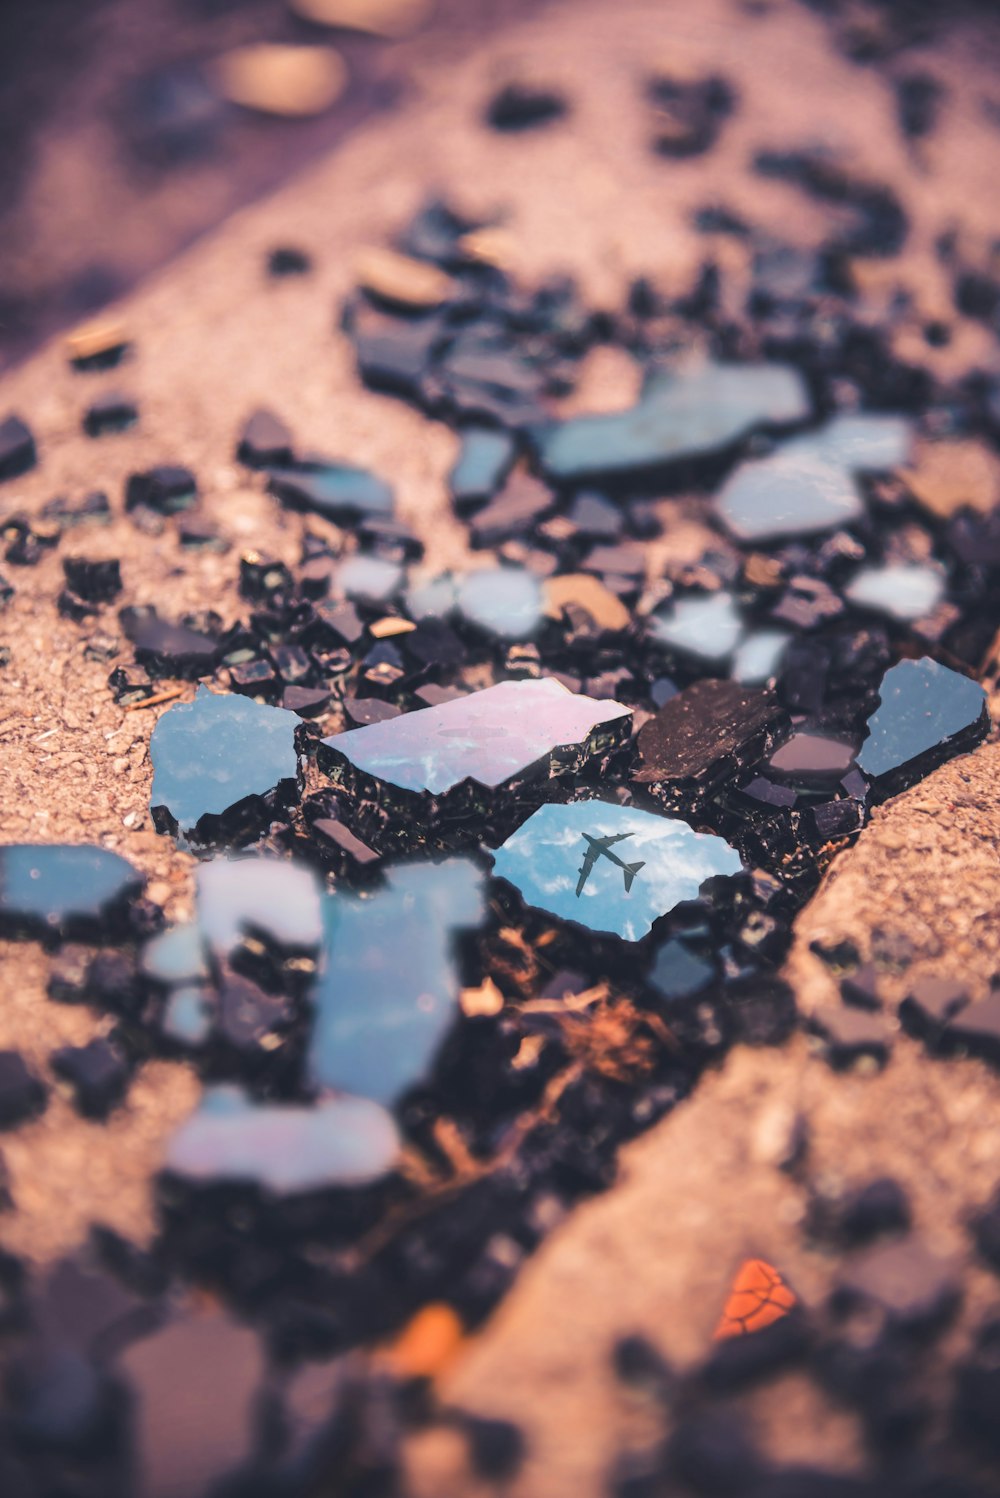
(214,339)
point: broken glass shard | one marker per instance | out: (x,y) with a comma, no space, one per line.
(505,601)
(677,972)
(265,897)
(521,503)
(484,460)
(688,413)
(904,591)
(389,990)
(809,759)
(926,714)
(220,757)
(757,657)
(166,648)
(175,956)
(284,1148)
(69,890)
(707,627)
(704,735)
(432,599)
(611,868)
(809,484)
(487,737)
(194,1388)
(337,490)
(369,578)
(187,1016)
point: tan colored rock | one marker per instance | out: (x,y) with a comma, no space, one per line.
(401,280)
(588,593)
(386,18)
(950,475)
(277,79)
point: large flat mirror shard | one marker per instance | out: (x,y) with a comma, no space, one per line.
(51,890)
(284,1148)
(489,738)
(692,412)
(612,869)
(926,714)
(388,990)
(809,484)
(217,761)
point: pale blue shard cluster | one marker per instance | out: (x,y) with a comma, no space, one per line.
(809,484)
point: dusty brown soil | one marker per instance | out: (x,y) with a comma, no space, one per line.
(214,340)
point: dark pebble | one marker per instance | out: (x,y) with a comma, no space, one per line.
(96,581)
(98,1074)
(22,1096)
(17,448)
(165,489)
(110,413)
(520,106)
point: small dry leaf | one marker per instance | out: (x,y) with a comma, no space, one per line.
(758,1298)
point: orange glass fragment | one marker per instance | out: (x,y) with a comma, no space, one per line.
(759,1297)
(427,1344)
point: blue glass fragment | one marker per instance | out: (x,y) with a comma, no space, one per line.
(187,1016)
(506,601)
(487,737)
(262,896)
(758,656)
(926,714)
(175,956)
(388,992)
(371,578)
(683,414)
(45,889)
(611,868)
(485,458)
(433,599)
(708,627)
(337,490)
(808,485)
(904,591)
(284,1148)
(211,754)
